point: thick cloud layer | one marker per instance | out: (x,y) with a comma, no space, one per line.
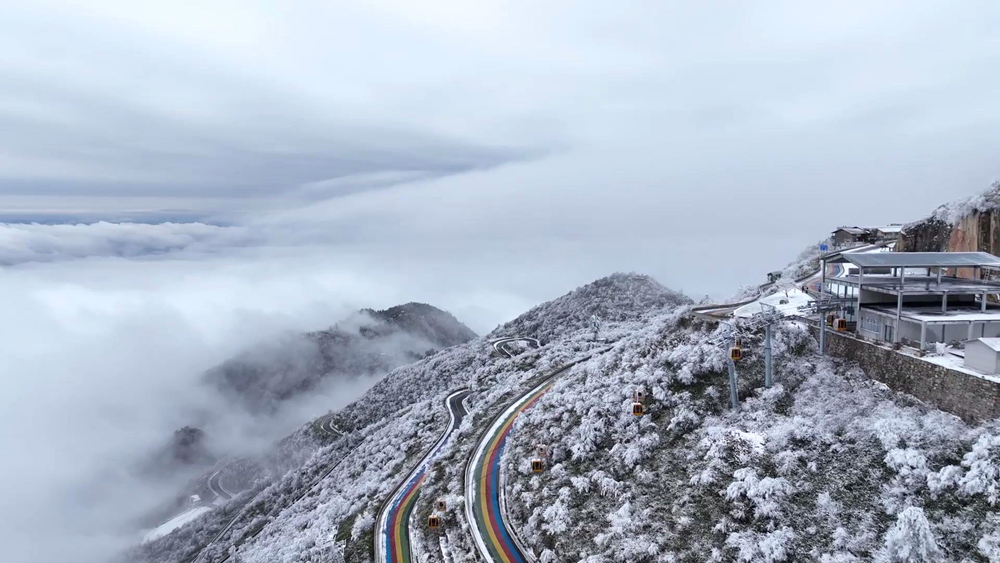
(317,157)
(22,243)
(103,360)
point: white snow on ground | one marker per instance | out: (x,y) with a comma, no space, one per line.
(175,522)
(795,298)
(957,363)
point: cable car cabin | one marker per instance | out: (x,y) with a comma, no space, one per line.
(638,409)
(440,506)
(434,521)
(736,353)
(541,450)
(830,319)
(537,466)
(840,325)
(639,395)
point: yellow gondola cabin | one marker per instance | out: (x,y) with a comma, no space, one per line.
(433,521)
(638,409)
(537,465)
(736,353)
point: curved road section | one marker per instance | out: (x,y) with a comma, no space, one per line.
(215,485)
(392,537)
(327,426)
(501,345)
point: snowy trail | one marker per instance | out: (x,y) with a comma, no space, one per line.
(392,536)
(484,495)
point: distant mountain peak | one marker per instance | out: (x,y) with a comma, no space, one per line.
(369,342)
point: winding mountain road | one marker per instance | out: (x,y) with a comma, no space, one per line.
(327,426)
(392,534)
(215,485)
(501,348)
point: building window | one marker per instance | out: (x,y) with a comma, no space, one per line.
(871,324)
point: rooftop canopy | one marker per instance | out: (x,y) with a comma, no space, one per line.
(922,259)
(852,230)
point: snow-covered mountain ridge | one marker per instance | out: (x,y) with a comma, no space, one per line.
(826,466)
(367,343)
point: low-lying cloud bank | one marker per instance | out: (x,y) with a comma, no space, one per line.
(109,328)
(21,243)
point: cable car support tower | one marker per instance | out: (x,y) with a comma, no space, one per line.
(766,319)
(825,304)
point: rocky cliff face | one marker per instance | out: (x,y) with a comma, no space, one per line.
(927,235)
(967,225)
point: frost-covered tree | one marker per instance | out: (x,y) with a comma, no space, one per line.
(910,539)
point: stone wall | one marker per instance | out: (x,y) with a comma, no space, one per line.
(972,398)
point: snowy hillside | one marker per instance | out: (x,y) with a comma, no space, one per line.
(389,428)
(969,224)
(367,343)
(954,211)
(827,466)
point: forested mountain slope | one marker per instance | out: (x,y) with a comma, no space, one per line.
(826,466)
(388,429)
(367,343)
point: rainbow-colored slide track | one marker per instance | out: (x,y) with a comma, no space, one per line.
(484,492)
(392,537)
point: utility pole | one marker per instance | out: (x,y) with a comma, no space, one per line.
(822,314)
(734,400)
(768,376)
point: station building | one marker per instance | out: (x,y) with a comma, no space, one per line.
(919,298)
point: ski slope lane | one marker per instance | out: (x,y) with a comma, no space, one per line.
(484,482)
(392,537)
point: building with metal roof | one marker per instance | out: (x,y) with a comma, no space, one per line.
(922,260)
(918,298)
(983,355)
(846,236)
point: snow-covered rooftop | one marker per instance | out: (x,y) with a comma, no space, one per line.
(890,229)
(993,343)
(928,314)
(852,230)
(922,259)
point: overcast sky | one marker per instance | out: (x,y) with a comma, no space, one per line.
(264,166)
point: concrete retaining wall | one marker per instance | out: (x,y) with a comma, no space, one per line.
(972,398)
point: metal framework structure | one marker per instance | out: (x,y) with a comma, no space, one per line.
(766,319)
(920,277)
